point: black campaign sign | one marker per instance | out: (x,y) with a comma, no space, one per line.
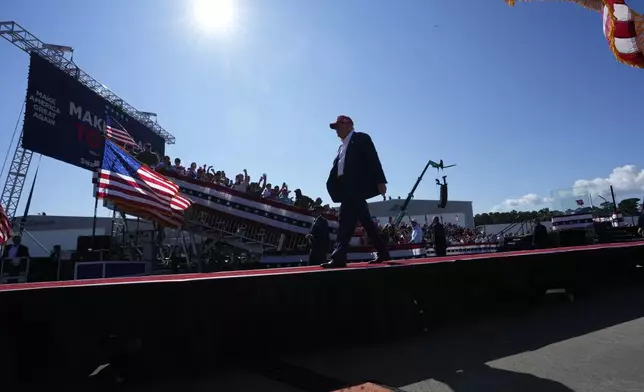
(65,120)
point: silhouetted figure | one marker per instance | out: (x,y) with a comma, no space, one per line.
(438,237)
(356,176)
(147,156)
(318,238)
(14,259)
(539,235)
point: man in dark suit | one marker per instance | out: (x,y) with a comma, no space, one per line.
(439,239)
(356,176)
(318,238)
(539,235)
(147,156)
(14,258)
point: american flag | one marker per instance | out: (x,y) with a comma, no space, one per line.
(6,231)
(623,28)
(116,132)
(137,190)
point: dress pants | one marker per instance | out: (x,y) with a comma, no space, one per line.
(441,251)
(318,255)
(353,210)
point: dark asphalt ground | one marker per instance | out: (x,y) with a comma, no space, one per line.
(594,344)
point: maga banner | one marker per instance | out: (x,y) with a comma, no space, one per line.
(65,120)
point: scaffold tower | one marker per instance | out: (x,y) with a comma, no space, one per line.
(62,57)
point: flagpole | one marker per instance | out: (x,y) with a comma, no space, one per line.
(94,218)
(97,175)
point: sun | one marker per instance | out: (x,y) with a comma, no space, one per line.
(214,16)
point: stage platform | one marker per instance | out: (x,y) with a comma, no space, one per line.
(190,320)
(311,269)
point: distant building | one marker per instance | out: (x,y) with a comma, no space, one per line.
(457,212)
(42,232)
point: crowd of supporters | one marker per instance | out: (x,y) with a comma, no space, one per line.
(456,235)
(242,182)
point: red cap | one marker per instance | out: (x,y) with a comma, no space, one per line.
(341,120)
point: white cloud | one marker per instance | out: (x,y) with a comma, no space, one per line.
(528,201)
(626,180)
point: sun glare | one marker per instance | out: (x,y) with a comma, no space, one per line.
(214,16)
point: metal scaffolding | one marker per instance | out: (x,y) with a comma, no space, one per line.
(57,55)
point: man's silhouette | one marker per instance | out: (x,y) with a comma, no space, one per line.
(539,235)
(14,257)
(356,176)
(439,239)
(318,238)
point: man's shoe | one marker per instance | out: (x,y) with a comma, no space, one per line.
(334,264)
(380,259)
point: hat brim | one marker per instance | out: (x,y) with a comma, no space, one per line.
(333,125)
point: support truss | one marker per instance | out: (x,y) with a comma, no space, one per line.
(16,177)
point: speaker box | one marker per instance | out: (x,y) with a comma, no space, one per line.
(572,238)
(99,242)
(443,199)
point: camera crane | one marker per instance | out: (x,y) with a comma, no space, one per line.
(410,196)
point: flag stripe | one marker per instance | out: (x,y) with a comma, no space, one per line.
(116,132)
(113,188)
(139,187)
(6,231)
(621,32)
(119,136)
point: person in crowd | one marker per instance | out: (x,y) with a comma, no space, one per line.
(356,176)
(438,237)
(165,164)
(284,193)
(14,257)
(267,192)
(201,173)
(218,178)
(539,235)
(416,233)
(178,168)
(147,156)
(254,189)
(302,201)
(241,182)
(259,187)
(318,237)
(192,170)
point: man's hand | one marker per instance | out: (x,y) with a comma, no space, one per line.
(382,188)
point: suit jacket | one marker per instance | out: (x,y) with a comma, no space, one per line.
(438,236)
(540,236)
(320,232)
(23,251)
(362,171)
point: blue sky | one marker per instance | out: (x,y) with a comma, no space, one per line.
(525,100)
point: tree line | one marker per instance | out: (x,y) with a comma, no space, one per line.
(628,207)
